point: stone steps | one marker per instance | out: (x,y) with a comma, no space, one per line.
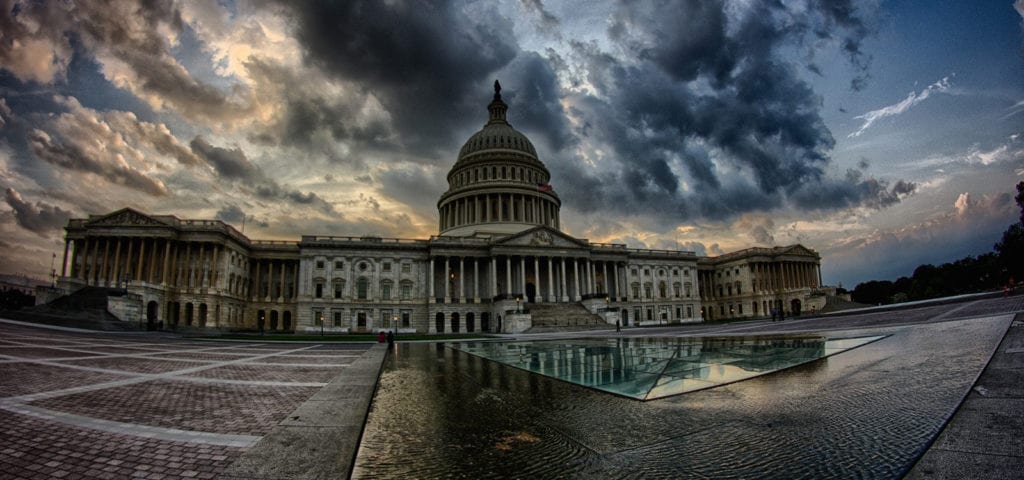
(563,317)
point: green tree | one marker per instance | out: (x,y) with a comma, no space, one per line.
(1011,247)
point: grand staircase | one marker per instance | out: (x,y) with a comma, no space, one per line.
(85,308)
(564,317)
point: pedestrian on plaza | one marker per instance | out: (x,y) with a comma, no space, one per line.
(618,326)
(391,338)
(381,336)
(773,315)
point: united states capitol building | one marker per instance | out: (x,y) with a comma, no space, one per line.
(499,263)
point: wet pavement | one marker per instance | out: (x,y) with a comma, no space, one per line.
(866,413)
(97,405)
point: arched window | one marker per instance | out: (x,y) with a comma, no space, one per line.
(455,322)
(339,288)
(385,290)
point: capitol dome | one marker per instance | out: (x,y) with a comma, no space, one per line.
(497,185)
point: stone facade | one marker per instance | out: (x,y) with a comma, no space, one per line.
(499,251)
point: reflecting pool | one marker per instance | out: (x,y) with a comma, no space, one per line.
(864,412)
(652,368)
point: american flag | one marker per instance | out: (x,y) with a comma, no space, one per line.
(543,187)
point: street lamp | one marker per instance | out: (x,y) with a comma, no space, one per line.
(321,323)
(517,304)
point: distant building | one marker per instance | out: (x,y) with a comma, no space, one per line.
(499,259)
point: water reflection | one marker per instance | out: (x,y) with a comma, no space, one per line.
(651,368)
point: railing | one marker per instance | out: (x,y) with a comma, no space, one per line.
(361,239)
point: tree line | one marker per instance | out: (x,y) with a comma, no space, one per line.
(998,269)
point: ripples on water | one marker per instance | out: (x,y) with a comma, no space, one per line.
(866,413)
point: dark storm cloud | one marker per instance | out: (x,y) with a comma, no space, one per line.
(230,214)
(229,163)
(232,164)
(548,23)
(78,156)
(127,37)
(425,60)
(711,119)
(40,218)
(530,87)
(306,111)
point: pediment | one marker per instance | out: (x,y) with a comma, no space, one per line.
(542,237)
(799,250)
(126,217)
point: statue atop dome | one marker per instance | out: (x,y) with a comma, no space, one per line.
(497,90)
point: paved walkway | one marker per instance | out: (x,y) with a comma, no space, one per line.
(984,438)
(77,404)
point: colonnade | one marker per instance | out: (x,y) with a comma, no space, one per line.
(111,261)
(766,277)
(785,275)
(553,278)
(499,207)
(275,279)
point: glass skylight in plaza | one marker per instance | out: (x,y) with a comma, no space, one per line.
(651,368)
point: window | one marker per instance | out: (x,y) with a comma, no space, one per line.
(362,287)
(337,318)
(319,264)
(338,264)
(406,267)
(636,290)
(676,290)
(647,272)
(647,290)
(386,319)
(406,291)
(318,317)
(686,272)
(386,267)
(363,266)
(634,272)
(361,319)
(339,289)
(739,307)
(319,290)
(385,291)
(406,318)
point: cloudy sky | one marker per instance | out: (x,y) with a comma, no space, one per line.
(883,134)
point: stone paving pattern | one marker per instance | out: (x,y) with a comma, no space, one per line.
(166,407)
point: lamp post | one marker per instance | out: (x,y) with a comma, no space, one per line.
(517,304)
(321,314)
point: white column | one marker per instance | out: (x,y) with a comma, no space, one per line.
(565,294)
(508,275)
(476,277)
(462,275)
(576,278)
(430,281)
(551,283)
(522,277)
(629,282)
(615,274)
(494,278)
(536,279)
(604,279)
(447,285)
